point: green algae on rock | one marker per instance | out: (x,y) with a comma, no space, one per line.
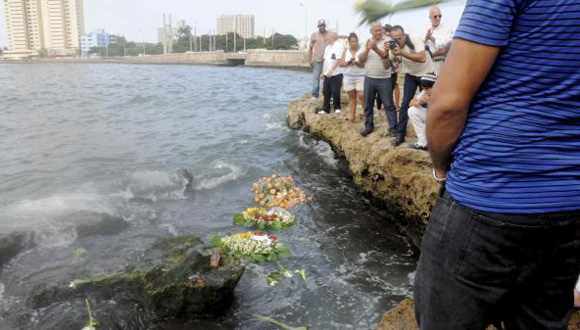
(173,281)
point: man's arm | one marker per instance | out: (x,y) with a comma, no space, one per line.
(467,66)
(312,42)
(442,51)
(364,55)
(420,57)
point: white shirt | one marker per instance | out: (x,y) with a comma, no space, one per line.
(332,54)
(353,70)
(417,69)
(375,65)
(443,36)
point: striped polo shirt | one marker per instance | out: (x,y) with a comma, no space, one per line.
(520,149)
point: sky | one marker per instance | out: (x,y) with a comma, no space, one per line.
(138,20)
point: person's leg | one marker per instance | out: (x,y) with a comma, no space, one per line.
(370,92)
(397,93)
(352,103)
(418,116)
(544,299)
(326,93)
(336,89)
(386,94)
(408,94)
(360,93)
(316,72)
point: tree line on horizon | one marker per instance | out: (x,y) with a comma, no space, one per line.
(185,41)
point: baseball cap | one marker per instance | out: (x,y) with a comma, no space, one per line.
(321,22)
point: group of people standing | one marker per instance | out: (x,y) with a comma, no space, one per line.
(369,73)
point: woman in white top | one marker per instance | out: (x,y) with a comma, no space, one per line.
(354,74)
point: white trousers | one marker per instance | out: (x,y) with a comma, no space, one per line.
(418,116)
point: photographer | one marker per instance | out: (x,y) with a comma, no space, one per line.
(354,74)
(375,57)
(416,63)
(418,111)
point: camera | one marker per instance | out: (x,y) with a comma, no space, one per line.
(392,44)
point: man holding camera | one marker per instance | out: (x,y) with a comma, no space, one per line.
(416,63)
(375,57)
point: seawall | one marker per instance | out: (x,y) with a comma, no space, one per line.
(400,178)
(283,59)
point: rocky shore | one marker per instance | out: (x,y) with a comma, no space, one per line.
(399,178)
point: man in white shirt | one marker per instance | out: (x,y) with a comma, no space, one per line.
(438,38)
(332,74)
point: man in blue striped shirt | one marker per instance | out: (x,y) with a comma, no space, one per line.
(503,129)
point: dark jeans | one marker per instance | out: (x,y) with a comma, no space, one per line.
(332,87)
(384,89)
(410,89)
(394,78)
(480,268)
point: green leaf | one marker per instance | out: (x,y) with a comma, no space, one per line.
(302,274)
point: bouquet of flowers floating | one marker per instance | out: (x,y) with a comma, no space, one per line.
(263,219)
(278,191)
(254,246)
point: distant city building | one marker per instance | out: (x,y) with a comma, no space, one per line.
(94,39)
(51,26)
(244,25)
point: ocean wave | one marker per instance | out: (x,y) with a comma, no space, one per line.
(234,173)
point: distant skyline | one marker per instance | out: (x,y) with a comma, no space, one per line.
(138,20)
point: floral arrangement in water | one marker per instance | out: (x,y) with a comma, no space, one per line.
(263,219)
(255,246)
(278,191)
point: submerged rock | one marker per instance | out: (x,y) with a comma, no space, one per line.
(14,243)
(398,177)
(89,224)
(173,281)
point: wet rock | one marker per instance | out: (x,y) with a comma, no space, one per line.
(14,243)
(89,224)
(400,178)
(173,281)
(402,317)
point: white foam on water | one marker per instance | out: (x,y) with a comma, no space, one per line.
(235,173)
(155,185)
(170,229)
(324,150)
(60,203)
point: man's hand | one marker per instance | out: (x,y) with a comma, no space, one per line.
(429,35)
(371,44)
(397,51)
(467,66)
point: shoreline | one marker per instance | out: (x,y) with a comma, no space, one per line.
(285,60)
(397,178)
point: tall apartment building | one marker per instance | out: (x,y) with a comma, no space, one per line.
(244,25)
(52,25)
(98,38)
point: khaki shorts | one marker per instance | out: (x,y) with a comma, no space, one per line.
(353,83)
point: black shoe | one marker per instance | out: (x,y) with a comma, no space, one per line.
(398,141)
(418,147)
(366,131)
(391,132)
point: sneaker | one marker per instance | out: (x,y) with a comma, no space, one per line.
(398,141)
(366,132)
(321,112)
(418,147)
(337,111)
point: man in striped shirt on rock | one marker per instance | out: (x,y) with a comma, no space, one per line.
(503,128)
